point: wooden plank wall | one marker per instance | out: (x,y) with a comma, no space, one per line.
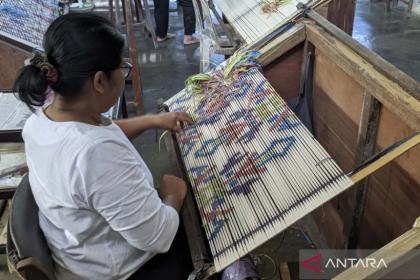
(337,107)
(339,95)
(334,127)
(393,195)
(11,61)
(284,73)
(393,192)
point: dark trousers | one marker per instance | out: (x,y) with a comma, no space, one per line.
(189,16)
(161,17)
(175,264)
(189,20)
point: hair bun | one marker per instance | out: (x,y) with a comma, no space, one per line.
(40,60)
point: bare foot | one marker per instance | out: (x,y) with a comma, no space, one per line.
(167,37)
(189,40)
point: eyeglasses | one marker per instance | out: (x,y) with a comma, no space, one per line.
(126,68)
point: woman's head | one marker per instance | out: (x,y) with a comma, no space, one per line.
(81,52)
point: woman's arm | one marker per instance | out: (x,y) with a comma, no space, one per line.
(173,191)
(133,127)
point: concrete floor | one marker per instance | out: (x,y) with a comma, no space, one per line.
(395,36)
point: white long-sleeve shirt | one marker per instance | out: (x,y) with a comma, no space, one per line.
(101,216)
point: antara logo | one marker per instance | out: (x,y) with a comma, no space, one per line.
(317,259)
(313,263)
(354,262)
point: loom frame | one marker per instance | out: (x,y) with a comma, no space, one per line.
(383,89)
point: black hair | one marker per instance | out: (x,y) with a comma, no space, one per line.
(77,45)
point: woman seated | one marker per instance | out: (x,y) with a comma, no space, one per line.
(98,209)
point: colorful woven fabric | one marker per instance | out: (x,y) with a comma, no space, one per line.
(254,167)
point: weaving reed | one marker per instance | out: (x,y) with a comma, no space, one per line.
(253,166)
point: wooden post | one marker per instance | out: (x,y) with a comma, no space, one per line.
(341,13)
(149,26)
(366,140)
(135,73)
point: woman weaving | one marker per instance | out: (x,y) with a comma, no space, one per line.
(98,209)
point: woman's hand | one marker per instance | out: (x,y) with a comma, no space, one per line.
(132,127)
(172,120)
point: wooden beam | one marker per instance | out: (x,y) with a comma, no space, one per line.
(390,93)
(385,157)
(193,229)
(366,140)
(380,64)
(282,44)
(200,253)
(395,254)
(132,48)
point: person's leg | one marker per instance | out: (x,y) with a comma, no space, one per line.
(161,17)
(189,25)
(189,20)
(175,264)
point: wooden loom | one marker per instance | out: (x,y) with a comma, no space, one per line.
(225,26)
(22,28)
(253,174)
(398,96)
(254,24)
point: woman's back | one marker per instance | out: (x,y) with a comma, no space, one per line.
(98,209)
(83,176)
